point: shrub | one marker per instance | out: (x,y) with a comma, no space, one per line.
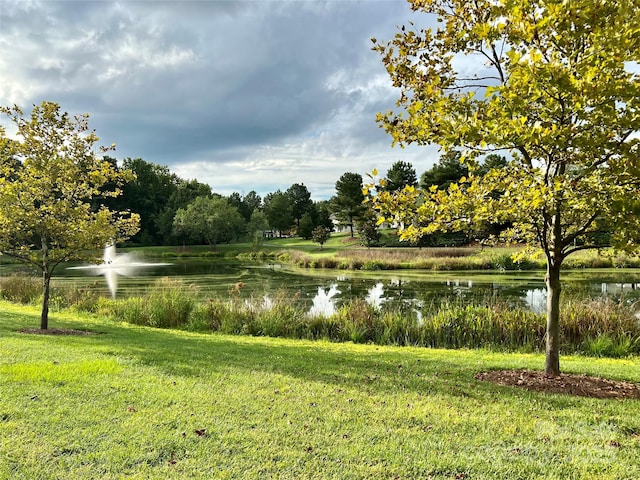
(608,346)
(207,315)
(506,261)
(76,298)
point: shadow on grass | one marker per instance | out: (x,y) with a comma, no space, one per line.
(378,369)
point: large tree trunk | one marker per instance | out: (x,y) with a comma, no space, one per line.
(44,316)
(552,364)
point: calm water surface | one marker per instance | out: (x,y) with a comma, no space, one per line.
(214,278)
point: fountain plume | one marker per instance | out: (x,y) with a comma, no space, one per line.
(115,264)
(324,304)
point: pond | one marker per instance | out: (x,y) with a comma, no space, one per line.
(215,278)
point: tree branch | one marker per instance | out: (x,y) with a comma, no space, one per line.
(582,231)
(578,248)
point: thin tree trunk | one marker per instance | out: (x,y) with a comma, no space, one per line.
(552,363)
(44,316)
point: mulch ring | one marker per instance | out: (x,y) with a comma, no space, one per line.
(579,385)
(56,331)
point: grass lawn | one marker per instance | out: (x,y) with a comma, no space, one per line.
(135,402)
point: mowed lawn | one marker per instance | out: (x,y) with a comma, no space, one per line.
(135,402)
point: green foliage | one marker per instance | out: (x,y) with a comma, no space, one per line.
(211,220)
(323,210)
(256,227)
(156,195)
(168,304)
(147,194)
(320,235)
(52,191)
(555,93)
(306,227)
(251,202)
(607,346)
(279,211)
(448,170)
(300,199)
(598,327)
(400,175)
(247,205)
(368,228)
(491,162)
(347,205)
(507,261)
(20,288)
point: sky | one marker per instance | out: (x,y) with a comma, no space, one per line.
(242,95)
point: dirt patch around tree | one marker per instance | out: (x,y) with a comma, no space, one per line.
(56,331)
(579,385)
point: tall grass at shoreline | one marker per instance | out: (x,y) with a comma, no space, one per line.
(342,252)
(447,259)
(599,327)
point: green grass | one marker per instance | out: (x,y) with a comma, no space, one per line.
(138,402)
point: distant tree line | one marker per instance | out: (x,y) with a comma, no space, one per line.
(175,211)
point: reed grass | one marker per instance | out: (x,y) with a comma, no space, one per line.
(20,288)
(598,327)
(168,304)
(448,259)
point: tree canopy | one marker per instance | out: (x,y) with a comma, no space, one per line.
(400,175)
(278,210)
(52,191)
(300,199)
(553,84)
(210,219)
(347,203)
(320,235)
(448,170)
(147,194)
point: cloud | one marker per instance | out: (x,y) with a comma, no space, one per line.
(244,95)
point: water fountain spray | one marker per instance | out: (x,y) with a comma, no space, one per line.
(116,264)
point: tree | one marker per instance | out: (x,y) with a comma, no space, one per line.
(211,220)
(448,170)
(252,202)
(323,219)
(347,203)
(147,195)
(368,228)
(491,162)
(321,235)
(400,175)
(50,178)
(186,192)
(277,208)
(553,90)
(317,215)
(256,227)
(235,200)
(306,226)
(300,199)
